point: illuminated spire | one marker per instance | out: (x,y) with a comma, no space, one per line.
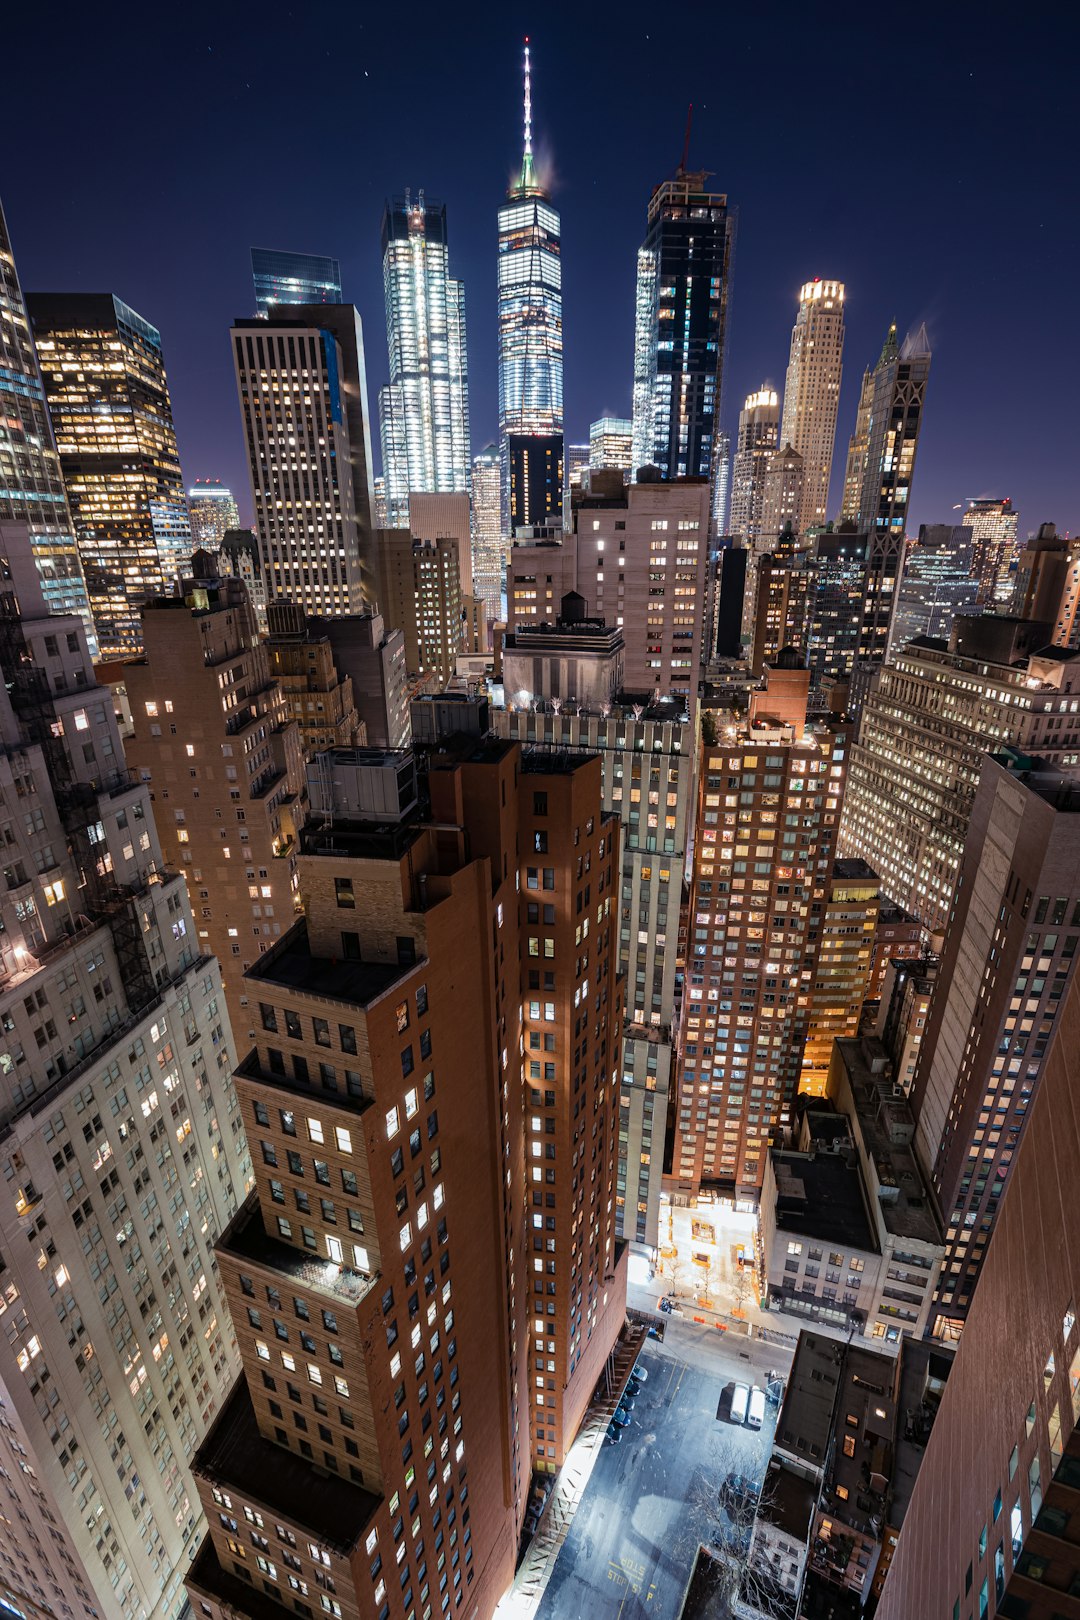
(528,174)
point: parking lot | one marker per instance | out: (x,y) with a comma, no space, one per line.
(654,1497)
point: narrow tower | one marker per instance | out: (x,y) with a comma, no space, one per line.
(530,345)
(812,392)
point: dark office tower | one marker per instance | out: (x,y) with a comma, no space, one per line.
(302,383)
(293,278)
(530,340)
(31,483)
(536,477)
(838,581)
(731,590)
(991,1526)
(105,382)
(900,379)
(1008,961)
(425,1288)
(680,324)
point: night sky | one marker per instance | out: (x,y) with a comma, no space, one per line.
(926,155)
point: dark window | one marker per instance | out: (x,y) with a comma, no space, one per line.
(343,892)
(347,1037)
(269,1016)
(406,950)
(292,1025)
(322,1031)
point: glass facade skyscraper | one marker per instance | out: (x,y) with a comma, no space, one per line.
(31,482)
(424,411)
(293,278)
(104,376)
(213,511)
(899,392)
(680,323)
(530,344)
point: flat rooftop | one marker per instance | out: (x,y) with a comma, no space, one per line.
(246,1238)
(291,965)
(820,1195)
(804,1423)
(883,1118)
(787,1499)
(236,1456)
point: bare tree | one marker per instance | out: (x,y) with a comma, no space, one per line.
(727,1511)
(673,1270)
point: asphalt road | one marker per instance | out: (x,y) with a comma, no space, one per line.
(653,1499)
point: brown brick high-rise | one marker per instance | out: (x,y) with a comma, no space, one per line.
(425,1282)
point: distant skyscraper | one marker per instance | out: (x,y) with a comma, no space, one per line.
(530,345)
(213,512)
(812,392)
(424,410)
(577,462)
(855,470)
(759,428)
(936,585)
(487,550)
(104,375)
(783,492)
(993,524)
(293,278)
(900,379)
(684,266)
(610,442)
(31,484)
(303,396)
(721,484)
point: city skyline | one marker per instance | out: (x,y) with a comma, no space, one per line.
(972,447)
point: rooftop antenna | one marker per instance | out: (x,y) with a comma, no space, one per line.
(528,175)
(686,140)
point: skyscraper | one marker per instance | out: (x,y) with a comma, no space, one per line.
(683,271)
(213,512)
(757,894)
(990,1523)
(437,1375)
(759,428)
(935,711)
(936,585)
(812,392)
(122,1146)
(227,773)
(530,345)
(993,524)
(1006,968)
(293,278)
(302,383)
(104,375)
(855,469)
(783,496)
(31,484)
(487,549)
(610,443)
(900,378)
(424,410)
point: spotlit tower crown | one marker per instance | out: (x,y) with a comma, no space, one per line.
(530,344)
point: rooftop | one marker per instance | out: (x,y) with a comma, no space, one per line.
(866,1414)
(247,1239)
(291,964)
(923,1371)
(887,1129)
(820,1195)
(804,1423)
(855,870)
(235,1455)
(787,1499)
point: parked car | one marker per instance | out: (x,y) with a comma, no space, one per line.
(614,1435)
(620,1418)
(633,1387)
(755,1411)
(740,1397)
(641,1374)
(738,1493)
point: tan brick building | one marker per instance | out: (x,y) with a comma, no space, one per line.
(213,738)
(425,1282)
(768,806)
(318,696)
(841,978)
